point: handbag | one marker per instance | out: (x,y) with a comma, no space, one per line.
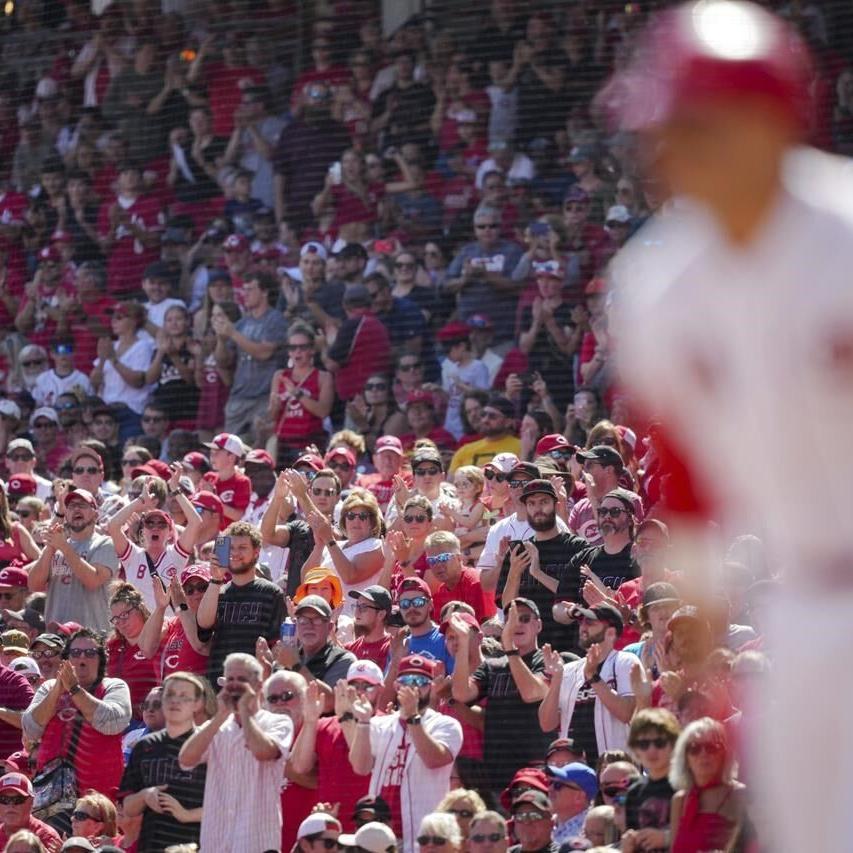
(55,787)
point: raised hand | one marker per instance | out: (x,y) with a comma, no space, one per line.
(408,699)
(342,701)
(594,658)
(592,594)
(641,686)
(161,594)
(519,560)
(553,662)
(510,627)
(315,702)
(362,709)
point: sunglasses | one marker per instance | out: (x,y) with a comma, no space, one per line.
(415,365)
(446,557)
(614,790)
(153,705)
(132,462)
(435,840)
(351,515)
(427,472)
(17,800)
(644,743)
(561,454)
(308,473)
(193,588)
(80,815)
(85,653)
(612,511)
(480,837)
(415,519)
(518,484)
(43,655)
(411,679)
(23,513)
(466,814)
(529,817)
(709,747)
(318,492)
(35,363)
(286,696)
(376,386)
(300,347)
(327,843)
(497,476)
(418,601)
(340,466)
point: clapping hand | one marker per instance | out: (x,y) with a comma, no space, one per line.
(594,658)
(408,699)
(553,662)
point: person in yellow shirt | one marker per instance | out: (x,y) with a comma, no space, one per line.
(498,423)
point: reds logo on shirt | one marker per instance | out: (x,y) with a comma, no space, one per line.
(227,496)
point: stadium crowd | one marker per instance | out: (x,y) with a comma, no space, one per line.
(325,522)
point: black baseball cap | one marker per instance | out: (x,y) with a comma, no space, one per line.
(526,602)
(526,468)
(600,613)
(538,487)
(376,594)
(604,454)
(660,592)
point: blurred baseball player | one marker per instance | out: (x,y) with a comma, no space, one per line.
(733,312)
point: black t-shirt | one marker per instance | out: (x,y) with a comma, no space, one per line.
(301,544)
(612,569)
(547,358)
(582,725)
(512,737)
(647,806)
(555,559)
(154,761)
(243,614)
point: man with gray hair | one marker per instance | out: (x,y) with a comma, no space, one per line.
(245,748)
(481,275)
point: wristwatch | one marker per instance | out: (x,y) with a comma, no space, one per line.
(333,544)
(346,717)
(414,721)
(595,678)
(511,653)
(73,691)
(216,582)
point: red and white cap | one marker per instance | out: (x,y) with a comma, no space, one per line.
(196,570)
(13,578)
(16,782)
(365,670)
(196,461)
(258,456)
(228,441)
(549,269)
(81,495)
(341,451)
(207,500)
(388,442)
(235,243)
(21,484)
(554,441)
(312,459)
(504,462)
(316,823)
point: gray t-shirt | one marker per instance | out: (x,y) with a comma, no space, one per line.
(67,599)
(253,378)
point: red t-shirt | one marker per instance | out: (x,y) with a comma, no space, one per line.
(377,652)
(235,492)
(15,694)
(85,341)
(468,590)
(337,782)
(337,75)
(352,208)
(177,654)
(297,803)
(46,834)
(127,662)
(225,90)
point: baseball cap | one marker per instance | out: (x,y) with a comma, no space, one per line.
(553,441)
(77,842)
(480,321)
(563,743)
(218,274)
(14,640)
(312,247)
(259,456)
(86,452)
(604,454)
(577,774)
(25,664)
(376,594)
(207,500)
(235,243)
(657,593)
(374,837)
(624,497)
(357,296)
(537,799)
(10,408)
(529,603)
(65,629)
(504,462)
(618,213)
(352,250)
(317,822)
(312,460)
(315,602)
(341,451)
(49,254)
(20,444)
(44,412)
(453,332)
(21,484)
(81,495)
(581,154)
(466,617)
(415,584)
(228,441)
(527,468)
(427,454)
(549,269)
(538,487)
(52,641)
(196,570)
(27,615)
(388,442)
(603,612)
(415,397)
(196,461)
(159,270)
(365,670)
(318,575)
(576,193)
(16,782)
(13,577)
(416,665)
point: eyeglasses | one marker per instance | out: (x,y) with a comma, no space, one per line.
(404,265)
(446,557)
(44,425)
(415,519)
(411,679)
(528,817)
(20,457)
(308,473)
(363,606)
(361,515)
(417,601)
(16,800)
(193,588)
(147,419)
(132,462)
(340,466)
(482,226)
(84,653)
(121,617)
(33,363)
(154,523)
(427,472)
(376,386)
(153,705)
(286,696)
(561,453)
(46,655)
(614,790)
(311,620)
(465,814)
(497,476)
(318,492)
(23,513)
(709,747)
(518,484)
(644,743)
(300,347)
(414,365)
(480,837)
(435,840)
(612,511)
(81,815)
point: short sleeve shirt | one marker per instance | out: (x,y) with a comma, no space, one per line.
(253,378)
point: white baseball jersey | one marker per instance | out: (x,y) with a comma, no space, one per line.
(747,355)
(137,571)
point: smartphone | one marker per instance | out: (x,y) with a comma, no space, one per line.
(222,550)
(514,543)
(395,618)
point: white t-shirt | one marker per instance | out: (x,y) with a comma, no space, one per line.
(522,169)
(157,311)
(510,526)
(396,762)
(135,564)
(115,389)
(350,552)
(49,386)
(272,556)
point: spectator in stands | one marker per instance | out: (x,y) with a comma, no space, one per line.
(497,424)
(488,833)
(572,789)
(458,583)
(16,804)
(532,823)
(372,609)
(422,420)
(232,486)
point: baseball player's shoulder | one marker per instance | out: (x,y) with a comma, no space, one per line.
(823,183)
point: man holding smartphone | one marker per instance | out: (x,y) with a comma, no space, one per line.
(234,614)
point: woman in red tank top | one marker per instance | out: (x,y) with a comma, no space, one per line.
(301,396)
(15,540)
(709,804)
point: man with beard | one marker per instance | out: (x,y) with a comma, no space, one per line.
(245,748)
(409,753)
(591,700)
(76,565)
(537,569)
(497,424)
(372,640)
(514,685)
(458,582)
(235,614)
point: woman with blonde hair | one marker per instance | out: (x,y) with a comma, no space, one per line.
(24,841)
(709,803)
(16,543)
(488,833)
(357,558)
(439,833)
(94,818)
(463,805)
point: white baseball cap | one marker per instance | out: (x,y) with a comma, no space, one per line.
(312,247)
(228,441)
(618,213)
(374,836)
(317,822)
(504,462)
(44,412)
(365,670)
(10,408)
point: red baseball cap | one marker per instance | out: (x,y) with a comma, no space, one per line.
(466,617)
(415,397)
(13,578)
(21,484)
(196,570)
(415,584)
(453,332)
(50,255)
(235,243)
(311,459)
(197,461)
(530,777)
(207,500)
(341,451)
(65,629)
(388,442)
(81,495)
(416,665)
(259,457)
(553,441)
(16,782)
